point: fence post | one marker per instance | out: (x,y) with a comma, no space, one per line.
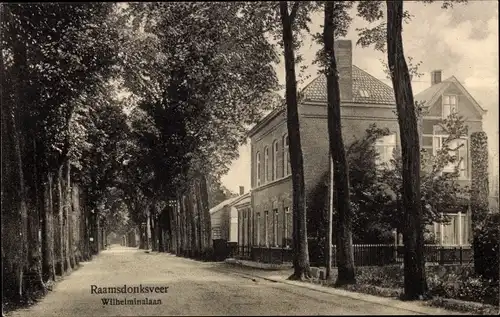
(461,256)
(395,253)
(441,258)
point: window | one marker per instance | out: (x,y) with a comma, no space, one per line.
(275,160)
(258,228)
(286,229)
(258,169)
(458,148)
(364,93)
(216,233)
(275,227)
(266,164)
(385,147)
(454,232)
(266,231)
(449,105)
(286,157)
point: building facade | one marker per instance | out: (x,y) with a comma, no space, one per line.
(364,100)
(224,218)
(441,99)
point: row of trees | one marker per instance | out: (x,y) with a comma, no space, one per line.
(58,147)
(198,75)
(191,78)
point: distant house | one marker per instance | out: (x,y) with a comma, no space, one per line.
(364,100)
(224,218)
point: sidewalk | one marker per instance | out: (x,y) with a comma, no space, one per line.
(280,274)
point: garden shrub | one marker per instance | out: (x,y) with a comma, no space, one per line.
(470,288)
(454,282)
(486,247)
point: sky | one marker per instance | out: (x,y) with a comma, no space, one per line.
(462,42)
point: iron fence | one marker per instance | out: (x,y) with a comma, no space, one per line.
(364,254)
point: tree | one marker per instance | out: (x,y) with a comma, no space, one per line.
(301,252)
(335,18)
(415,281)
(376,187)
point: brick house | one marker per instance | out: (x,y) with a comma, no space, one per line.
(439,100)
(364,100)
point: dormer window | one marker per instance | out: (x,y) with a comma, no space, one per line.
(450,105)
(364,93)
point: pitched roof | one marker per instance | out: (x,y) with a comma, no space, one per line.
(430,95)
(365,89)
(230,201)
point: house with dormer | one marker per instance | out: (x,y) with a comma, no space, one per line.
(364,100)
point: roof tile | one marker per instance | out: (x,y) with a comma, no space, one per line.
(365,89)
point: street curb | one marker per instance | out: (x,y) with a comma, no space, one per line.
(256,265)
(383,301)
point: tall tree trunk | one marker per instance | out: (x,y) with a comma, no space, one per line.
(181,225)
(301,253)
(199,216)
(48,263)
(188,223)
(14,209)
(34,239)
(157,232)
(195,203)
(345,256)
(152,227)
(76,216)
(207,224)
(162,231)
(192,223)
(329,225)
(142,243)
(14,205)
(85,224)
(176,228)
(170,242)
(96,232)
(415,284)
(146,231)
(68,250)
(58,224)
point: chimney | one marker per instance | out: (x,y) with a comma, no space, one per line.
(242,190)
(435,77)
(343,56)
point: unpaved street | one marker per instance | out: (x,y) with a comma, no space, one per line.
(194,288)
